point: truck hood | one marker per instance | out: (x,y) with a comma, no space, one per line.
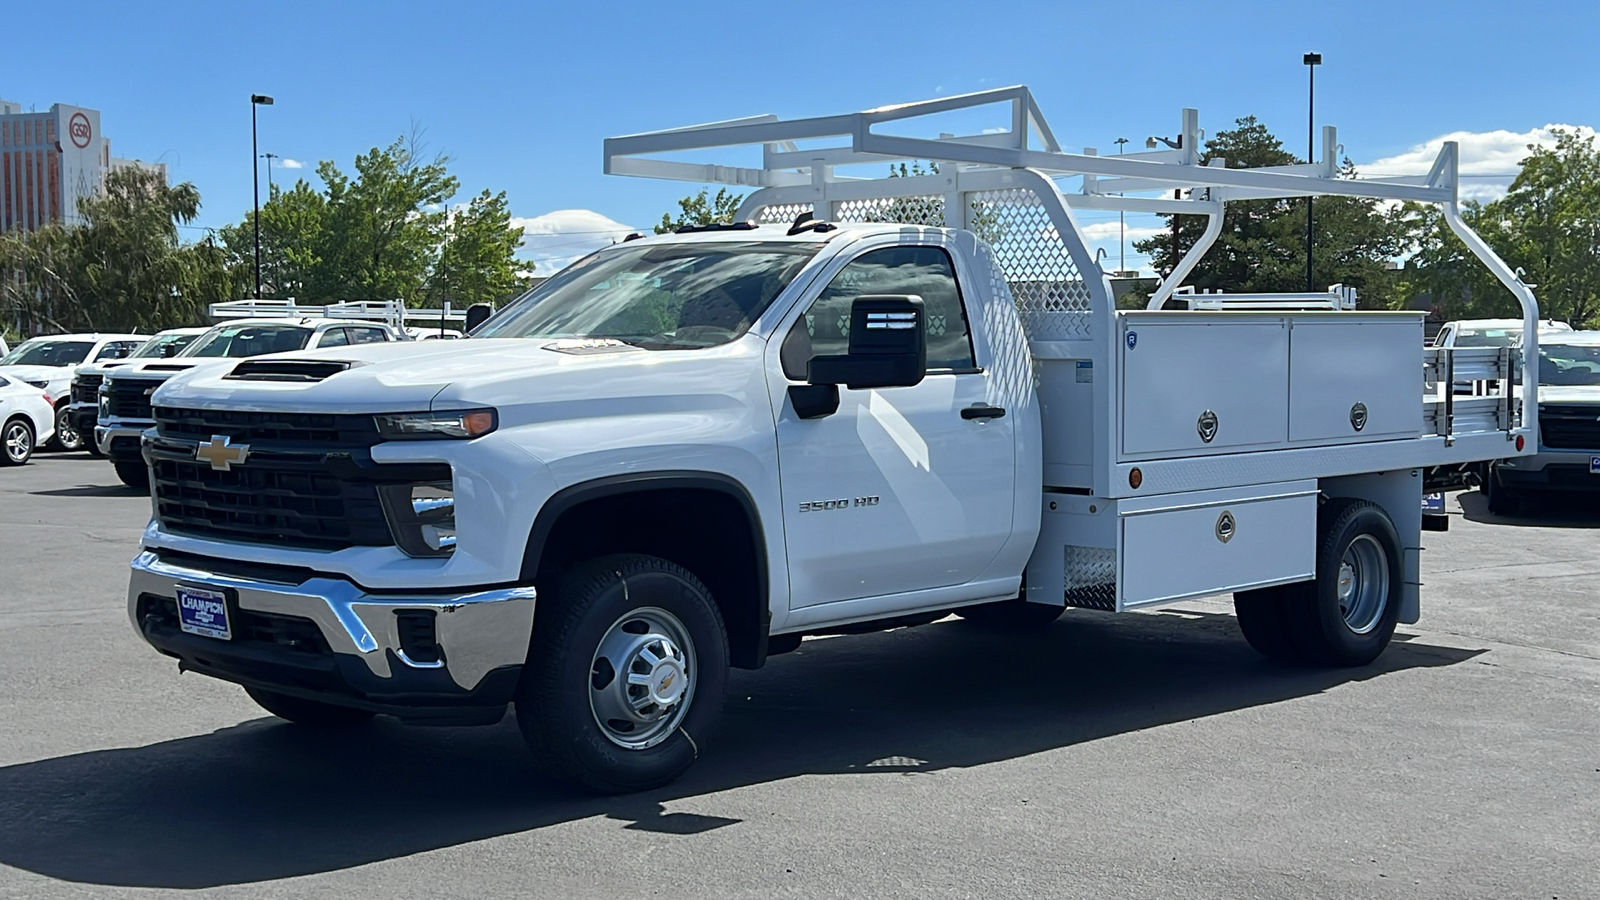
(504,373)
(1569,394)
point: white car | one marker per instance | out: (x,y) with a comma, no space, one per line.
(27,420)
(48,364)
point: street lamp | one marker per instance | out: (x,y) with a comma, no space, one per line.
(255,179)
(1122,224)
(269,157)
(1312,60)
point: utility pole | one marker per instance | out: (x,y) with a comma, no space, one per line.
(269,157)
(1312,60)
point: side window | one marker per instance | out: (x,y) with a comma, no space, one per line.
(368,336)
(334,337)
(927,272)
(115,350)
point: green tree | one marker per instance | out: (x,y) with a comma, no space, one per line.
(1262,245)
(477,262)
(123,267)
(702,209)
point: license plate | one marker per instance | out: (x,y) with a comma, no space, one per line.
(204,612)
(1594,465)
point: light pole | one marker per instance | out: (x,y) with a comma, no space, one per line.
(1122,223)
(269,157)
(1312,60)
(255,179)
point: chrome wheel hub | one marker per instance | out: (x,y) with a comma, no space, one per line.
(641,679)
(17,442)
(1363,584)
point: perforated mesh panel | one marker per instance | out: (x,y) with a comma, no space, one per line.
(781,214)
(1052,298)
(924,210)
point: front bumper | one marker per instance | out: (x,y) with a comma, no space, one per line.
(1551,470)
(119,438)
(83,417)
(325,638)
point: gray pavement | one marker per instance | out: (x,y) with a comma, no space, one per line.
(1139,756)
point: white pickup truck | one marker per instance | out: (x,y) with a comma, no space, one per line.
(896,399)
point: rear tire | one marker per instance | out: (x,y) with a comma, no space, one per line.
(1346,616)
(1263,617)
(1501,500)
(16,442)
(625,674)
(311,713)
(134,474)
(66,437)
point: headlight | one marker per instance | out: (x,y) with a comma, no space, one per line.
(105,402)
(466,423)
(422,517)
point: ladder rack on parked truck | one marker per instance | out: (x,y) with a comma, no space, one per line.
(1252,405)
(390,312)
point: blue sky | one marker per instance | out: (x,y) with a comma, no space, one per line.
(520,95)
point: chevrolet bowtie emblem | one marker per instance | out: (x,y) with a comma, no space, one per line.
(220,454)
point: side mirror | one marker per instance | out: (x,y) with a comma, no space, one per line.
(477,314)
(169,350)
(888,345)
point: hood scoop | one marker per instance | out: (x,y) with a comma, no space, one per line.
(299,370)
(163,367)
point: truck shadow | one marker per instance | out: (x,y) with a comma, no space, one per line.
(1575,510)
(264,800)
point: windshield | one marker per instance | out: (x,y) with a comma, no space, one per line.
(1487,337)
(250,340)
(45,352)
(162,346)
(659,297)
(1566,364)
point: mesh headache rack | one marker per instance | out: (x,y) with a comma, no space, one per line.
(1017,188)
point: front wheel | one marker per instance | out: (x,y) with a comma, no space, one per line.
(307,712)
(17,440)
(625,674)
(67,437)
(134,473)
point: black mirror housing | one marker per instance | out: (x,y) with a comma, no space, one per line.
(888,345)
(477,314)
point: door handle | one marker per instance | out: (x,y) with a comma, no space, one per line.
(982,411)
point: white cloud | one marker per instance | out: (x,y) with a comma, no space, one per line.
(285,162)
(557,238)
(1489,159)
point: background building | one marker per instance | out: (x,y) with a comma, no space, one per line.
(48,160)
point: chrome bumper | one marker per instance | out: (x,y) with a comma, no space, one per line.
(105,434)
(478,633)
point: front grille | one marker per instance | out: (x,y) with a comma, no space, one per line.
(1570,427)
(129,398)
(308,479)
(86,388)
(250,427)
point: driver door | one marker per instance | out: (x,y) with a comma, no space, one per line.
(897,491)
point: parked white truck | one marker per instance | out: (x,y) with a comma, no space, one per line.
(890,400)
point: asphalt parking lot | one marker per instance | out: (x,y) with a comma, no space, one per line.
(1136,756)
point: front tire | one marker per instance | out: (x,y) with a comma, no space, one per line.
(625,675)
(66,437)
(310,713)
(1347,615)
(16,442)
(134,474)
